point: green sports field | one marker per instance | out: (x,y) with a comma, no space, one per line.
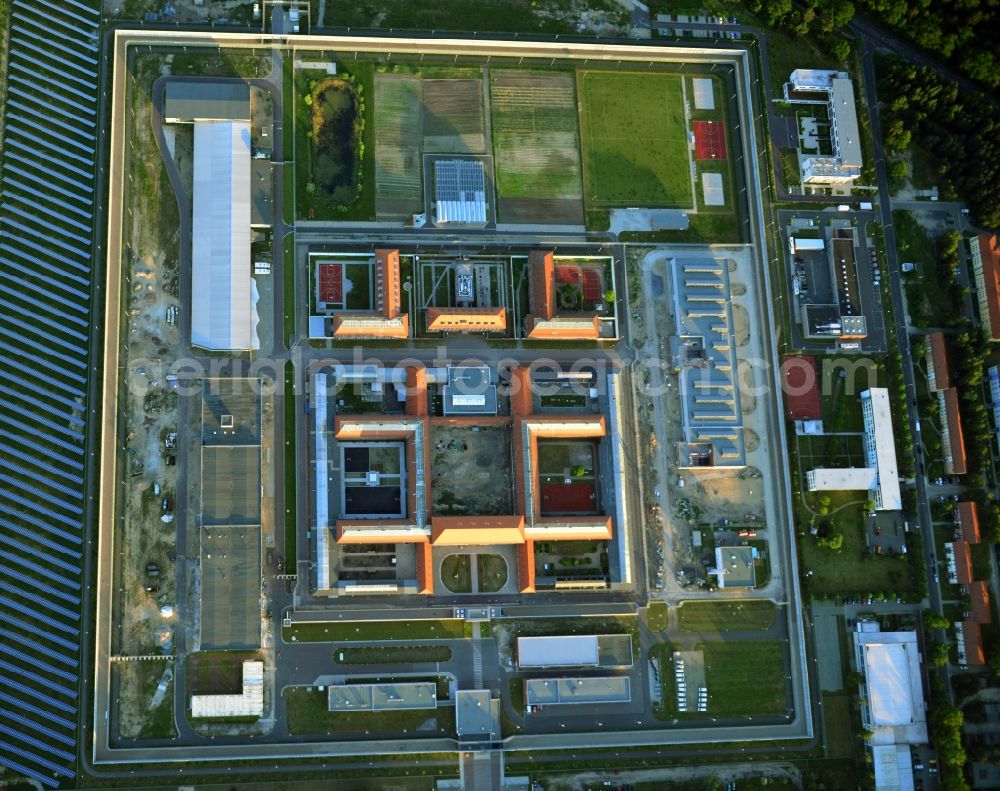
(634,140)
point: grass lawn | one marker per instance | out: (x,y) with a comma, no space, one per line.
(838,725)
(666,707)
(849,569)
(288,298)
(290,488)
(391,654)
(926,294)
(211,672)
(790,167)
(703,228)
(492,570)
(308,714)
(536,137)
(656,616)
(745,677)
(634,140)
(374,630)
(726,616)
(455,573)
(563,399)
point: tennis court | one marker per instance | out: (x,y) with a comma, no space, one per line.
(588,279)
(709,140)
(331,283)
(569,498)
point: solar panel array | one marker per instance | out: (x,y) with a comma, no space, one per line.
(46,248)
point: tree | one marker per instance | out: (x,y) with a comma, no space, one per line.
(609,297)
(937,654)
(899,171)
(841,50)
(933,620)
(310,187)
(832,542)
(578,471)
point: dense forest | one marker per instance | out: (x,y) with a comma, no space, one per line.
(962,33)
(960,130)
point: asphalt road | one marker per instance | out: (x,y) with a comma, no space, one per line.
(899,317)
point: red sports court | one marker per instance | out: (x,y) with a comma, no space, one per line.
(709,140)
(801,383)
(331,283)
(568,498)
(589,279)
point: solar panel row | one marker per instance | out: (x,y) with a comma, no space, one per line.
(47,194)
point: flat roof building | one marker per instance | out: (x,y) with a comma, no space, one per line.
(608,650)
(704,355)
(470,391)
(248,702)
(892,705)
(880,476)
(186,101)
(477,715)
(382,697)
(223,293)
(880,447)
(835,89)
(459,192)
(893,767)
(734,567)
(596,690)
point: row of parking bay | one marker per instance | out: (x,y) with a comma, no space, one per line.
(47,196)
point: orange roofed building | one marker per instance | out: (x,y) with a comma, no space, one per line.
(953,441)
(938,376)
(543,323)
(467,320)
(427,531)
(985,255)
(967,517)
(387,319)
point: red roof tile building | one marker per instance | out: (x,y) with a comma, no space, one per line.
(967,517)
(985,255)
(979,602)
(970,638)
(386,320)
(466,319)
(542,323)
(938,375)
(953,439)
(428,531)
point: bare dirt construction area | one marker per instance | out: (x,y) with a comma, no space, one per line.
(146,700)
(471,470)
(147,541)
(453,119)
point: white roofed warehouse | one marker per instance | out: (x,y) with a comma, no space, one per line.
(223,294)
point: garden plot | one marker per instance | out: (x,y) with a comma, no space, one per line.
(536,145)
(398,182)
(453,118)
